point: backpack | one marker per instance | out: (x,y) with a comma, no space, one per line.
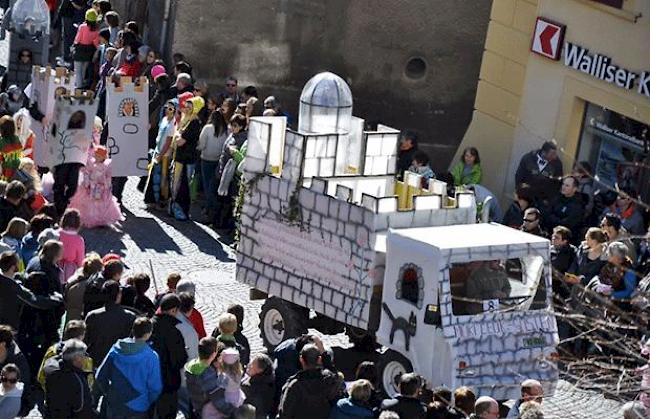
(93,297)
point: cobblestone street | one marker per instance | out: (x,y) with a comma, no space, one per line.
(192,249)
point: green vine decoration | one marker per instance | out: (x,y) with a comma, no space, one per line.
(293,212)
(245,187)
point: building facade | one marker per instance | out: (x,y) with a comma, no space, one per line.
(573,71)
(410,64)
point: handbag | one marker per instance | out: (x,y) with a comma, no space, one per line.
(83,52)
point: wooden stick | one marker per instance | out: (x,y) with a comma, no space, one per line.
(153,276)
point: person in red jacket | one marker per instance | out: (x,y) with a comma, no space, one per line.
(134,61)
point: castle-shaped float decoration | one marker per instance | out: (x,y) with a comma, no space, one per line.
(127,110)
(71,128)
(320,201)
(47,84)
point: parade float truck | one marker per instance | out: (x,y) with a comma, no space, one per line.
(332,241)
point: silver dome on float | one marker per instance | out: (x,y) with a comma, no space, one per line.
(30,18)
(325,105)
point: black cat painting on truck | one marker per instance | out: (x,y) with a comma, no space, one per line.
(332,241)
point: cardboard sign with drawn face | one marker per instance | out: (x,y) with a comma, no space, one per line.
(127,110)
(47,85)
(70,132)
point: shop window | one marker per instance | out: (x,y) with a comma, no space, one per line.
(612,3)
(497,285)
(616,147)
(410,285)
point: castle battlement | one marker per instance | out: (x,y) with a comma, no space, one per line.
(294,155)
(61,74)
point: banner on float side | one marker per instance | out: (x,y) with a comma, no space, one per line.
(47,84)
(71,128)
(127,111)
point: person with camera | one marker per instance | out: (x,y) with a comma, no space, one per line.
(407,404)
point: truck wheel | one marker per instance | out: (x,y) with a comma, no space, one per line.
(391,367)
(281,320)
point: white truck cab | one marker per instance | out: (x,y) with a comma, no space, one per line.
(469,305)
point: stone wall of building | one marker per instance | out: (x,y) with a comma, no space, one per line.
(410,64)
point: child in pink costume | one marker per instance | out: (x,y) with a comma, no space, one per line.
(230,374)
(94,198)
(74,247)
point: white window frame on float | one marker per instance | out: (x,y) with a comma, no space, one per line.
(265,150)
(320,155)
(349,160)
(380,151)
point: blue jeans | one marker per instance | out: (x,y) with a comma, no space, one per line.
(208,169)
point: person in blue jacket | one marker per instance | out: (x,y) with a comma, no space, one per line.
(129,378)
(356,406)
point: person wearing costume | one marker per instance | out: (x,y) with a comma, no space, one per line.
(185,141)
(25,134)
(94,199)
(11,151)
(157,186)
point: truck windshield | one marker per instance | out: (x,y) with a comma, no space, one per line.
(497,285)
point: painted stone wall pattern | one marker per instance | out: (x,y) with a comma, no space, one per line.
(127,110)
(313,255)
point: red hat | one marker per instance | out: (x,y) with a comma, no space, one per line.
(111,256)
(183,97)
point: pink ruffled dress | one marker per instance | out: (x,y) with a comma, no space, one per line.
(94,198)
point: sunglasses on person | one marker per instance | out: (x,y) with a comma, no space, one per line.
(170,108)
(529,220)
(8,380)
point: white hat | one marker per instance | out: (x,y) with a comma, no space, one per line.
(230,356)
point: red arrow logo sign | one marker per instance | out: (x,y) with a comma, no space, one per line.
(545,39)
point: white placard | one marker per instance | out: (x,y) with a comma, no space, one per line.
(127,110)
(71,128)
(305,253)
(534,323)
(47,83)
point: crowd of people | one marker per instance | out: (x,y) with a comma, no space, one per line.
(156,359)
(599,232)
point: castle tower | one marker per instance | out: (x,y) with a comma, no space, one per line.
(127,110)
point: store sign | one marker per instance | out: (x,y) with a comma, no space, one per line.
(633,141)
(547,41)
(602,67)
